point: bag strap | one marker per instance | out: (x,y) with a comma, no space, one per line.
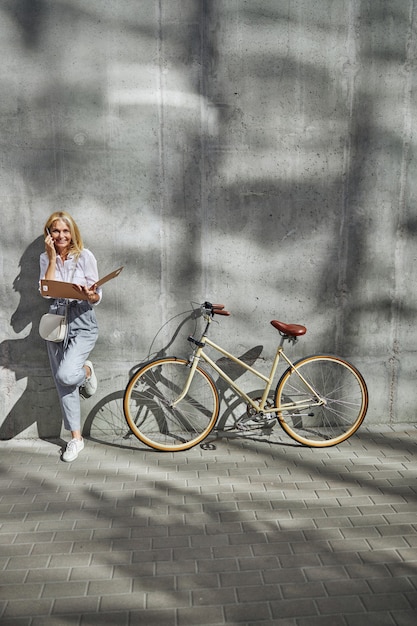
(65,342)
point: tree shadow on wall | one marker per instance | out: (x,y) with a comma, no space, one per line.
(27,359)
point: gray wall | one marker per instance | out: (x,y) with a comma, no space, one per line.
(258,153)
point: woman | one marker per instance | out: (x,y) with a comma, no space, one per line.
(66,259)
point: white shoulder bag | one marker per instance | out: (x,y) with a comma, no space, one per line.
(53,327)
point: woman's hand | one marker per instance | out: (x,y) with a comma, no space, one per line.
(90,292)
(50,248)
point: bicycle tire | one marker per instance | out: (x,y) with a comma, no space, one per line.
(146,405)
(346,401)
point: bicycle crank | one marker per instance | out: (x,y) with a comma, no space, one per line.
(253,420)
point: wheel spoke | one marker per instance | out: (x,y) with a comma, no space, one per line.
(339,386)
(149,411)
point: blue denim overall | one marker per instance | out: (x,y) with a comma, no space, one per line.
(67,358)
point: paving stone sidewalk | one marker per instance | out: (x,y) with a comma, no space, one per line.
(250,532)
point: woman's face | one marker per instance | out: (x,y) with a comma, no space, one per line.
(61,235)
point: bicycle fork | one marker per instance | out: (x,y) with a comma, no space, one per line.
(194,362)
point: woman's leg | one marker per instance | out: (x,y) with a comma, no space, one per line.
(71,374)
(68,365)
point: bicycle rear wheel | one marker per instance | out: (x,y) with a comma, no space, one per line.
(147,405)
(340,386)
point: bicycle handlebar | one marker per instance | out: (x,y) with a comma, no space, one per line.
(215,309)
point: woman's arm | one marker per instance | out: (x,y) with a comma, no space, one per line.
(51,254)
(43,267)
(90,270)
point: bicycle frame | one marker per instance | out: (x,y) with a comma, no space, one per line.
(260,406)
(173,404)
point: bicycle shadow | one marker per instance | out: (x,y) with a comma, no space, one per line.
(106,422)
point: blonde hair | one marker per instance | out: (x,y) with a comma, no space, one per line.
(76,245)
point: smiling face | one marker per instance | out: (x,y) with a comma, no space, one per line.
(61,234)
(65,234)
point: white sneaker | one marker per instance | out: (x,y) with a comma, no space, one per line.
(90,386)
(73,448)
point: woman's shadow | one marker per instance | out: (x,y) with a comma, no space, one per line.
(26,357)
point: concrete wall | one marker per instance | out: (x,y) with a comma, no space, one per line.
(254,152)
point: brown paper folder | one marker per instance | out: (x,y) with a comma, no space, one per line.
(60,289)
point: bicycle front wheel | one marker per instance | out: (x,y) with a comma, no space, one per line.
(339,412)
(152,419)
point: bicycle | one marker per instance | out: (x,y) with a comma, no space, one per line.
(172,404)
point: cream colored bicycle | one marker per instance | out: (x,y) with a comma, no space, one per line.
(172,404)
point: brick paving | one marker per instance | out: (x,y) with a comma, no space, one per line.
(250,532)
